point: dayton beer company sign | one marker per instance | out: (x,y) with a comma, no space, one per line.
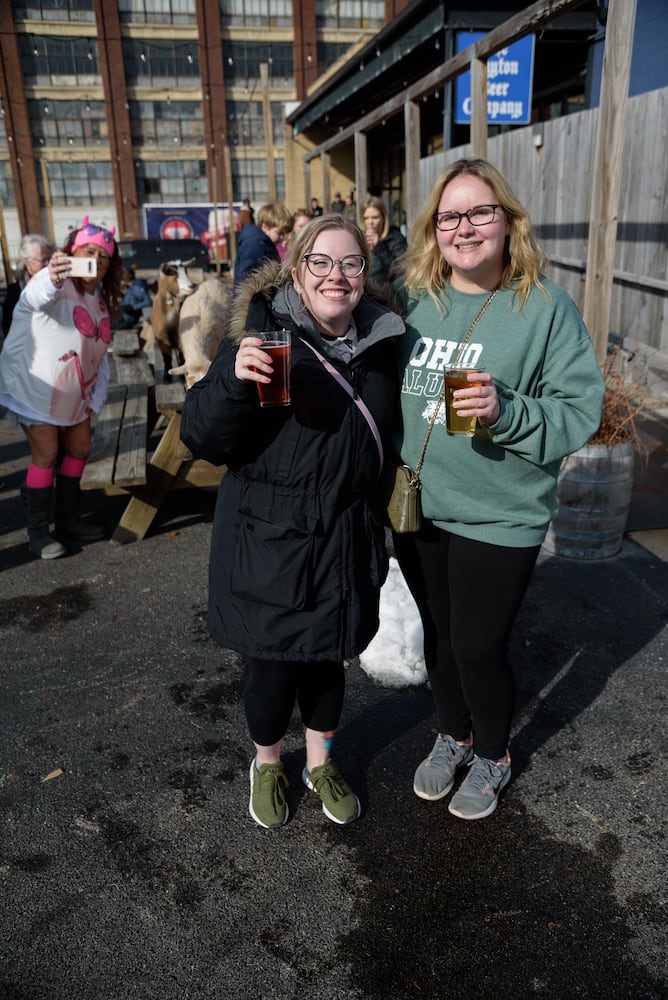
(509,82)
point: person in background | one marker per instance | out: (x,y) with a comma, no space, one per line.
(298,545)
(316,208)
(487,500)
(385,241)
(54,373)
(350,211)
(338,205)
(301,217)
(258,243)
(136,298)
(246,213)
(35,252)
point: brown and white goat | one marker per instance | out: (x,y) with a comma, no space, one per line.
(173,287)
(202,326)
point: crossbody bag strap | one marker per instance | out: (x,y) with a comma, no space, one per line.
(441,397)
(359,403)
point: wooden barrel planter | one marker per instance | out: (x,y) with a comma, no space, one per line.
(593,496)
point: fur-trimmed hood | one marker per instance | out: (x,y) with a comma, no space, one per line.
(281,297)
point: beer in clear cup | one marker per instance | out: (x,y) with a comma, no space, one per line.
(456,377)
(277,345)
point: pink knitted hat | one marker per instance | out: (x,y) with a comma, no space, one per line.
(93,234)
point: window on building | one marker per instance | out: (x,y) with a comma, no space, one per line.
(157,11)
(265,13)
(53,10)
(167,123)
(364,14)
(249,179)
(48,59)
(79,183)
(329,53)
(161,63)
(245,123)
(172,181)
(61,123)
(278,124)
(241,63)
(6,185)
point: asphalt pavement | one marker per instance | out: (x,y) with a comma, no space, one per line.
(130,868)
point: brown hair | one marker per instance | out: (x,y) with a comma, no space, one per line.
(308,234)
(379,206)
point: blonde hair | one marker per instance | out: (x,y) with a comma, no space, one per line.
(275,215)
(379,206)
(423,266)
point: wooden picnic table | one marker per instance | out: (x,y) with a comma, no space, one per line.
(138,404)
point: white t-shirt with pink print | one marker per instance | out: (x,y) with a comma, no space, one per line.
(53,365)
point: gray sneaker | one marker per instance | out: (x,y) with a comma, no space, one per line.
(435,776)
(478,794)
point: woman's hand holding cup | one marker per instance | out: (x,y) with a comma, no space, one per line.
(265,359)
(479,400)
(252,364)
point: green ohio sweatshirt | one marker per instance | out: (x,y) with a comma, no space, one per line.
(500,485)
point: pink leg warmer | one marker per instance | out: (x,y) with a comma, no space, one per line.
(38,478)
(72,467)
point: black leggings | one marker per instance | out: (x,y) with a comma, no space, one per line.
(468,594)
(272,686)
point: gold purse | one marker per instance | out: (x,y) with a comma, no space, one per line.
(404,510)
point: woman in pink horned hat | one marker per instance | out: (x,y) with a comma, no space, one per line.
(54,373)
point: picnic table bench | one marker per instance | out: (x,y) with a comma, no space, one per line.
(138,403)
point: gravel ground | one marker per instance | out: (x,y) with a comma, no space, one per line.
(129,867)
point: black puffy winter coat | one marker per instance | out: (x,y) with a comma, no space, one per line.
(298,545)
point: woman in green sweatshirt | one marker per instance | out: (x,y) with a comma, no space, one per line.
(487,500)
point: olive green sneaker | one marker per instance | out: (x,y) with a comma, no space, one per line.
(339,802)
(267,804)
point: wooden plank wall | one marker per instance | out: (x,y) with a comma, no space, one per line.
(554,181)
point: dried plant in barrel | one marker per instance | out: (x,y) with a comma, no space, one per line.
(622,405)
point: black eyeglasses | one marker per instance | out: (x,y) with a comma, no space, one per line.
(481,215)
(320,264)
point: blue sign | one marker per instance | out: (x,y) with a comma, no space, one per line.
(509,82)
(190,221)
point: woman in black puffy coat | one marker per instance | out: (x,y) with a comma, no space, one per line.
(298,550)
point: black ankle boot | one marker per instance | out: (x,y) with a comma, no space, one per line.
(37,506)
(68,513)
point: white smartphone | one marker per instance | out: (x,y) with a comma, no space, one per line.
(83,267)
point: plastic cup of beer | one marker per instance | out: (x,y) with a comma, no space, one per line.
(277,345)
(456,377)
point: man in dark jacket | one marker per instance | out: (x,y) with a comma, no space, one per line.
(256,244)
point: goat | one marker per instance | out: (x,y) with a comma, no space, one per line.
(173,287)
(202,326)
